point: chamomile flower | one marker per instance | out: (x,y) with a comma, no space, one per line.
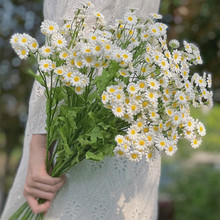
(119,152)
(154,30)
(171,148)
(209,80)
(180,97)
(196,142)
(163,63)
(105,97)
(133,108)
(111,89)
(187,47)
(153,84)
(174,43)
(135,155)
(124,72)
(132,88)
(33,45)
(190,124)
(49,27)
(22,52)
(200,82)
(151,96)
(15,39)
(155,16)
(176,56)
(118,110)
(201,129)
(153,114)
(88,61)
(77,78)
(141,142)
(58,40)
(120,140)
(79,90)
(150,136)
(79,62)
(64,54)
(24,39)
(59,70)
(45,65)
(46,51)
(161,142)
(132,132)
(126,56)
(130,18)
(150,154)
(118,96)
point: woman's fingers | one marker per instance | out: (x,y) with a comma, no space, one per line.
(46,179)
(37,193)
(38,208)
(49,188)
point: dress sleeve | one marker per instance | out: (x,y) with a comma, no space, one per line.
(37,109)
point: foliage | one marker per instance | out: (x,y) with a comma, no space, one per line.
(195,193)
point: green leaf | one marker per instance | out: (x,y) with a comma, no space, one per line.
(96,157)
(67,150)
(37,77)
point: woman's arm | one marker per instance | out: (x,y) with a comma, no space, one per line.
(38,183)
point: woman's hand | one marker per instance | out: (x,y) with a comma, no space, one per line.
(38,183)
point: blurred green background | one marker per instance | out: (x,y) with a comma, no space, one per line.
(190,181)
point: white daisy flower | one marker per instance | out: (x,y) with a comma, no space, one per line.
(201,129)
(153,114)
(111,89)
(198,58)
(22,52)
(60,70)
(118,110)
(153,84)
(176,56)
(196,142)
(58,40)
(190,124)
(144,35)
(163,63)
(33,45)
(174,43)
(155,16)
(124,72)
(151,96)
(130,18)
(119,96)
(88,61)
(132,132)
(79,62)
(150,154)
(79,90)
(119,152)
(46,51)
(209,80)
(187,47)
(141,142)
(14,40)
(49,27)
(135,155)
(105,97)
(45,65)
(133,108)
(77,79)
(180,97)
(154,30)
(64,54)
(176,118)
(132,88)
(120,140)
(200,82)
(150,136)
(171,148)
(161,142)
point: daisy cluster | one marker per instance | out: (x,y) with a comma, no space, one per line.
(72,51)
(155,88)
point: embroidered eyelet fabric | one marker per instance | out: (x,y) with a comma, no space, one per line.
(113,189)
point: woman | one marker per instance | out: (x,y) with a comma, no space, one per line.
(110,189)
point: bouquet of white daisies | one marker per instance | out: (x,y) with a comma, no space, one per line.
(108,84)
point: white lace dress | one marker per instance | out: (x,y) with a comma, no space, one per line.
(114,189)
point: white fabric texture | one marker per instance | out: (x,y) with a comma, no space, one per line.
(113,189)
